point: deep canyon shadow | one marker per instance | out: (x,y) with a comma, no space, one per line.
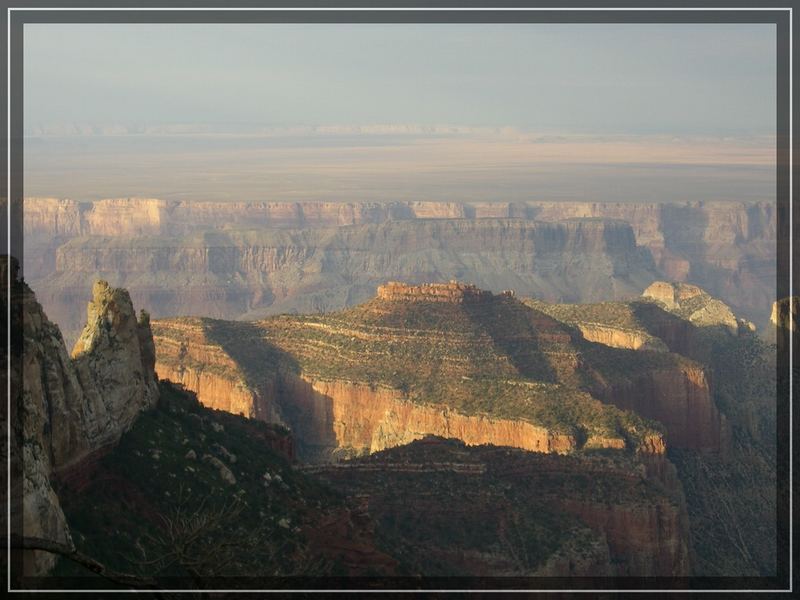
(276,376)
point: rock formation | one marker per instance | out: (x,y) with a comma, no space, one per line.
(785,313)
(725,248)
(696,306)
(253,273)
(114,359)
(680,398)
(675,318)
(436,359)
(343,419)
(454,292)
(441,359)
(68,408)
(607,519)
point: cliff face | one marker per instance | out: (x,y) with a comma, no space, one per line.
(726,248)
(44,384)
(684,324)
(606,518)
(680,398)
(340,418)
(68,407)
(189,355)
(228,274)
(616,337)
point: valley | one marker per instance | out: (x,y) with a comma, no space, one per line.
(346,435)
(247,260)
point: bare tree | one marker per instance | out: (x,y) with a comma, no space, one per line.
(207,541)
(71,553)
(514,541)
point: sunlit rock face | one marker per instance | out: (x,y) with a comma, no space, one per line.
(114,359)
(66,408)
(784,313)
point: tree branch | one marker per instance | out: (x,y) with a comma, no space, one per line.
(76,556)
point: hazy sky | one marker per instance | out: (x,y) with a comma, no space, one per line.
(635,79)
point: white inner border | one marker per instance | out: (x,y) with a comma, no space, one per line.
(407,9)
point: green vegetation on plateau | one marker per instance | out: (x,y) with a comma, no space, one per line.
(495,357)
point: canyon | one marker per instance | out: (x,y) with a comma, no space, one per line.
(449,360)
(99,435)
(595,516)
(67,409)
(422,395)
(249,260)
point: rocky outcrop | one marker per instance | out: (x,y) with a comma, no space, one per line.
(454,292)
(68,408)
(114,361)
(232,274)
(43,386)
(696,306)
(619,337)
(785,313)
(724,247)
(671,294)
(679,398)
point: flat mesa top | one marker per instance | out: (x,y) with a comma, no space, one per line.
(453,292)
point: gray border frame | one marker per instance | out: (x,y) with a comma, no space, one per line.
(471,11)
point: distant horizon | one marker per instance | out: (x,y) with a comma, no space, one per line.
(338,164)
(91,128)
(716,78)
(383,112)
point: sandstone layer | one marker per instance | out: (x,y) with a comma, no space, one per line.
(341,418)
(252,273)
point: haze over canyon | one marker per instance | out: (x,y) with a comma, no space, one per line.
(319,304)
(246,260)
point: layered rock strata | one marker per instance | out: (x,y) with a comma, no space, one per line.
(253,273)
(343,419)
(611,520)
(441,359)
(727,248)
(671,317)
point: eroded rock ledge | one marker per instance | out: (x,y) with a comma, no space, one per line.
(453,291)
